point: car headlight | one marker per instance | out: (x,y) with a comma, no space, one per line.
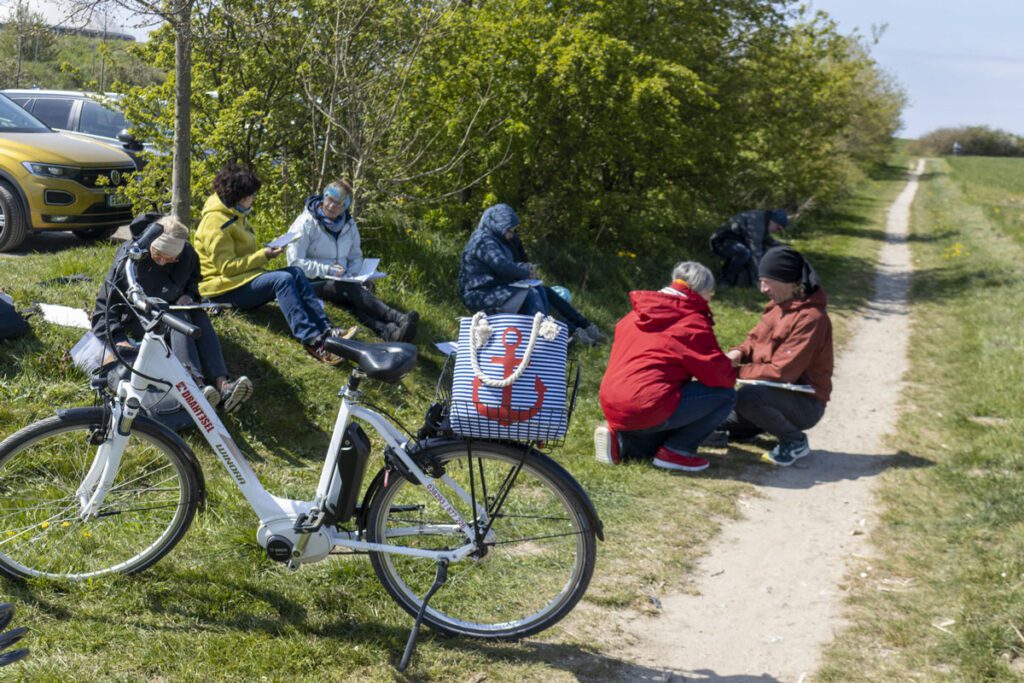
(51,170)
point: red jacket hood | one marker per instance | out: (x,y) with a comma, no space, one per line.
(657,311)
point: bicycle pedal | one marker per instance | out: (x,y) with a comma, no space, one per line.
(311,523)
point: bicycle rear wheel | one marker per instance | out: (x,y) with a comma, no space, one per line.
(535,564)
(146,512)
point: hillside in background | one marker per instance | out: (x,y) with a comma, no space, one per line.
(35,55)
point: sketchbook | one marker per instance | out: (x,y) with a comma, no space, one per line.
(802,388)
(527,283)
(367,272)
(284,240)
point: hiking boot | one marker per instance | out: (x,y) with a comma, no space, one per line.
(606,445)
(668,459)
(211,395)
(595,334)
(787,452)
(317,350)
(583,336)
(235,393)
(717,439)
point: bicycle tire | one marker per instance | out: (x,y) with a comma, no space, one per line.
(146,512)
(537,565)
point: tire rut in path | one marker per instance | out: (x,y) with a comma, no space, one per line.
(769,596)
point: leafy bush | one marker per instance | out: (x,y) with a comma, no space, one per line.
(974,141)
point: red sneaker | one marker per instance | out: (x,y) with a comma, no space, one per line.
(606,445)
(670,460)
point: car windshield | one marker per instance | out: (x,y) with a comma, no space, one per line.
(14,119)
(99,120)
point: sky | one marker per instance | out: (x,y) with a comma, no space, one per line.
(961,62)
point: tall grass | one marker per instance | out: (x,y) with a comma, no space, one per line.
(217,609)
(944,599)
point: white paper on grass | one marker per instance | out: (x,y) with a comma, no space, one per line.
(368,271)
(447,348)
(65,315)
(88,353)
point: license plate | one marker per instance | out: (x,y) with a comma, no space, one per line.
(117,200)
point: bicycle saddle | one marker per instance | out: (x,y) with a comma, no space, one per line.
(388,361)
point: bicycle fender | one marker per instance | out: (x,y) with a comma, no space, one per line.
(152,425)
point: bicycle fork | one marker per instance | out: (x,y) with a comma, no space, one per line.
(100,477)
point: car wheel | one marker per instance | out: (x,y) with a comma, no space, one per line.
(13,223)
(95,234)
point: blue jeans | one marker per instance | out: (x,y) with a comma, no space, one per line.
(700,410)
(295,296)
(200,354)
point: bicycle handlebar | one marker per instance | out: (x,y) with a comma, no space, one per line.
(155,308)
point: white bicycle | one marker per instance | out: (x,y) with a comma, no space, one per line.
(105,489)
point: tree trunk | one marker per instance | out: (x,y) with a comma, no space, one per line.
(181,175)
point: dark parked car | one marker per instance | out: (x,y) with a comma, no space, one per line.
(91,115)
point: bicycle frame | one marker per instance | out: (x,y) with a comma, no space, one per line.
(278,516)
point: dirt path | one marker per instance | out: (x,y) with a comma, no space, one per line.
(769,595)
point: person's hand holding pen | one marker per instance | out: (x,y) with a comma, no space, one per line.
(272,252)
(735,357)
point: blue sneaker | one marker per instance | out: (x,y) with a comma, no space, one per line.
(787,452)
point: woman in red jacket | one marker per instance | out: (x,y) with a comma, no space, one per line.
(668,384)
(792,344)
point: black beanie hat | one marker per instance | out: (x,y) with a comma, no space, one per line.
(785,264)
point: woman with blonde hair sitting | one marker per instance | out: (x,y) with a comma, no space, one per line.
(168,270)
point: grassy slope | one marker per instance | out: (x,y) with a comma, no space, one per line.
(215,608)
(945,598)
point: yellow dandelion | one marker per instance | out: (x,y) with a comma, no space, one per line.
(86,534)
(65,525)
(45,525)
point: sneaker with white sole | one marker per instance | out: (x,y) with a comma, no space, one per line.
(211,395)
(606,445)
(787,452)
(235,393)
(668,459)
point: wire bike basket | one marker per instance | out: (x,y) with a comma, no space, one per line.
(521,388)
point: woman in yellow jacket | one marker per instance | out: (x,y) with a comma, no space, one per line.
(233,264)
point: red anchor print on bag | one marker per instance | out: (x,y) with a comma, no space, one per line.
(504,414)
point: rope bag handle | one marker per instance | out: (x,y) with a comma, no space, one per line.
(480,331)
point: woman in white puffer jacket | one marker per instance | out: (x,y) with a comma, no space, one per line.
(327,247)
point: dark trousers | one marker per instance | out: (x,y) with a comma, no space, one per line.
(738,262)
(295,296)
(699,412)
(782,413)
(360,301)
(544,300)
(201,357)
(12,325)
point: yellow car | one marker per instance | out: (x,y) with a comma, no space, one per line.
(53,181)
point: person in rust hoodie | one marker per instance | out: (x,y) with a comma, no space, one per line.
(668,384)
(792,344)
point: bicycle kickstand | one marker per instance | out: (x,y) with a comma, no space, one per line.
(439,579)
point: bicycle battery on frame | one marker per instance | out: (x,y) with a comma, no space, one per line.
(353,455)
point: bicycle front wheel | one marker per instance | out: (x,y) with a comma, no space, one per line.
(145,513)
(535,563)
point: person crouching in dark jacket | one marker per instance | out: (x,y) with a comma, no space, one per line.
(490,275)
(792,344)
(169,270)
(668,383)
